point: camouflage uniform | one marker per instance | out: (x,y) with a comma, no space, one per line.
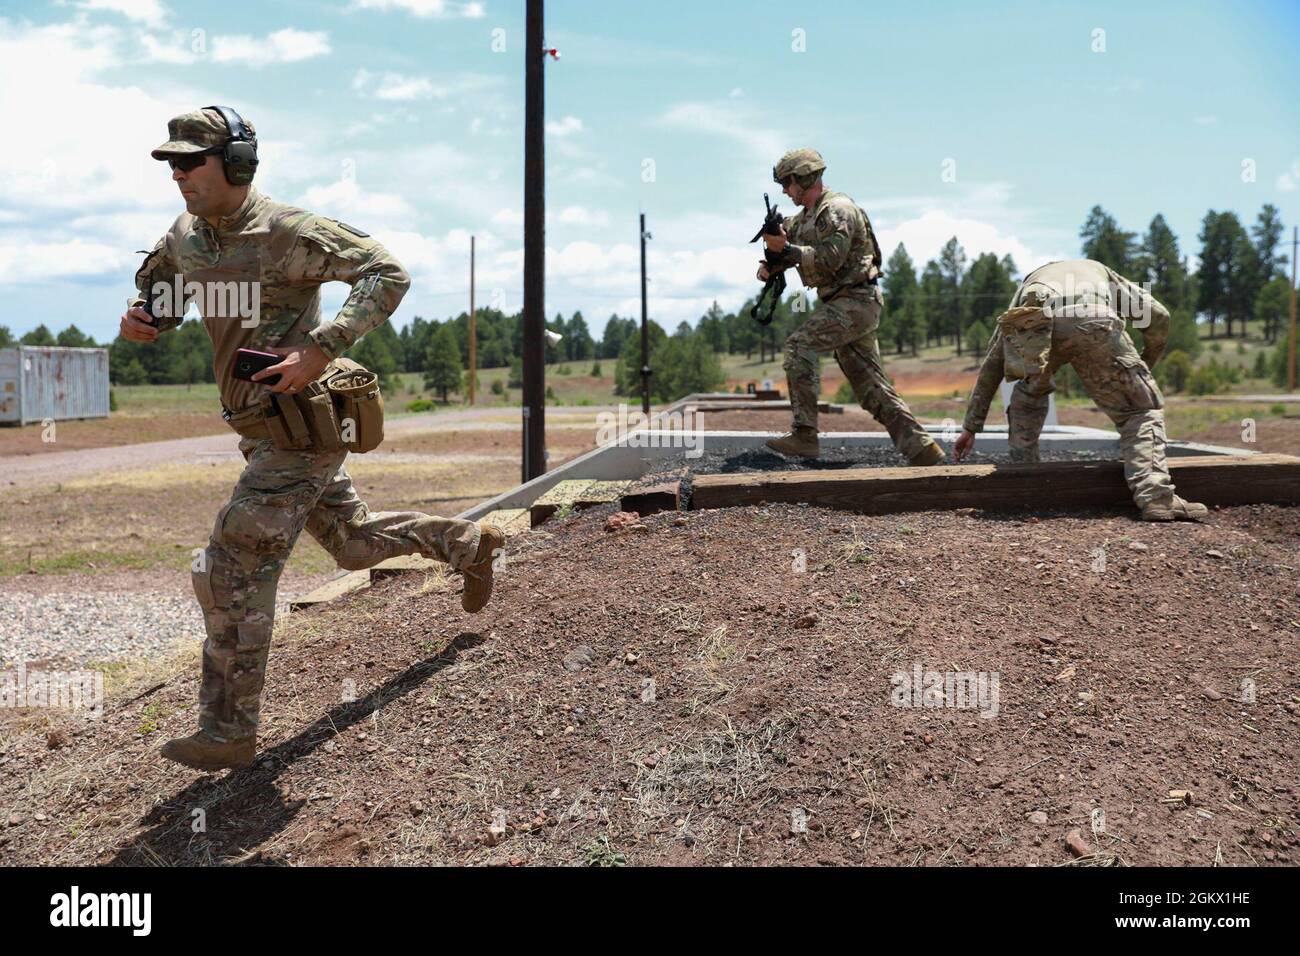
(291,253)
(834,249)
(1087,303)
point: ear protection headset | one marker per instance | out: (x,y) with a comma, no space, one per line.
(239,155)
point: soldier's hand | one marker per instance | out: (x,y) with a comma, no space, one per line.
(136,326)
(300,367)
(776,243)
(965,442)
(763,274)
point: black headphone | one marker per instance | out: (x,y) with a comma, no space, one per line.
(239,155)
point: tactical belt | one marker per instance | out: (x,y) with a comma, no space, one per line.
(250,423)
(848,287)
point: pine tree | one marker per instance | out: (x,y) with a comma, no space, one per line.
(1104,241)
(443,362)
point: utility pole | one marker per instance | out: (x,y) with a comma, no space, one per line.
(473,330)
(534,407)
(1290,349)
(645,330)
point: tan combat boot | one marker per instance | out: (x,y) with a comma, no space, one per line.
(932,454)
(802,442)
(203,752)
(1174,509)
(478,576)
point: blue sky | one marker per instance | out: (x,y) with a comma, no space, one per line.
(404,117)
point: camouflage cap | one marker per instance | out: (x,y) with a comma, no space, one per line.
(196,132)
(798,162)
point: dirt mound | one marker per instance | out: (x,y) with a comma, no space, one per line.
(737,687)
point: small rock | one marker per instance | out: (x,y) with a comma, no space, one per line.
(1077,844)
(1211,693)
(1136,546)
(807,620)
(417,807)
(15,819)
(1214,554)
(1038,818)
(581,656)
(679,522)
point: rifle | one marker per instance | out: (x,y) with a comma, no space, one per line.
(775,284)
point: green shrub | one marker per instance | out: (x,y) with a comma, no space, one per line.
(595,371)
(112,400)
(1174,371)
(1206,381)
(420,405)
(1260,369)
(498,387)
(844,394)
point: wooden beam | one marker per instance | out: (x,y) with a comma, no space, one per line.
(576,494)
(1211,479)
(335,588)
(665,496)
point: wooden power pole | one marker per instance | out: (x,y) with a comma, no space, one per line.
(645,330)
(534,407)
(1290,349)
(473,331)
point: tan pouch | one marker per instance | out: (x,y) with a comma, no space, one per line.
(1026,341)
(317,406)
(358,405)
(285,422)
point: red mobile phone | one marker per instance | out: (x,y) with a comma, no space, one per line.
(248,362)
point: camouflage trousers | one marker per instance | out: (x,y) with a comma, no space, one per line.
(847,326)
(1121,385)
(235,578)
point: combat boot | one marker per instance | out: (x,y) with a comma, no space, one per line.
(802,442)
(1174,509)
(478,576)
(203,752)
(932,454)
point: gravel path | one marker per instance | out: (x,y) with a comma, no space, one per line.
(76,620)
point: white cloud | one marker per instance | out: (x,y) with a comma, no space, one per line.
(149,12)
(564,127)
(20,259)
(1290,179)
(731,119)
(437,9)
(345,199)
(394,86)
(926,234)
(282,46)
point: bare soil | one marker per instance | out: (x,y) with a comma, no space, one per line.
(716,689)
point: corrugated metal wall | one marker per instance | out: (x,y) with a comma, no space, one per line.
(39,382)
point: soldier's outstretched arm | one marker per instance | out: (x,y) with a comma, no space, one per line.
(990,376)
(1156,335)
(328,251)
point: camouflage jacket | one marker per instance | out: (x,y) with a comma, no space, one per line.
(832,245)
(1074,288)
(256,280)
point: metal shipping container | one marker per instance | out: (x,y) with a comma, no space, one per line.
(39,382)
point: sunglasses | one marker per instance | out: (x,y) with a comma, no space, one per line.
(190,161)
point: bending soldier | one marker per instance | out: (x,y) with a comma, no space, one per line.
(1073,312)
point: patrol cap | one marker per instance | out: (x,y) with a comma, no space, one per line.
(798,162)
(196,132)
